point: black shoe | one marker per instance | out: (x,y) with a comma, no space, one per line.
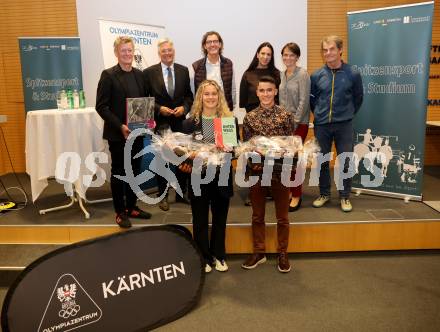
(163,205)
(122,220)
(296,207)
(139,214)
(183,200)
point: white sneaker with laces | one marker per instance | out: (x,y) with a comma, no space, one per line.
(208,268)
(220,265)
(320,201)
(346,205)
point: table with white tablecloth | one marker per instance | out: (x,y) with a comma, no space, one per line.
(52,133)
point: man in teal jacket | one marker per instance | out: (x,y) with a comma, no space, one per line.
(335,97)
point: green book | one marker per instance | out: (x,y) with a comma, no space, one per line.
(225,132)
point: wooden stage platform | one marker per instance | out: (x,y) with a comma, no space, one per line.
(376,223)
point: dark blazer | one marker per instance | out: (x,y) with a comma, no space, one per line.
(182,94)
(111,100)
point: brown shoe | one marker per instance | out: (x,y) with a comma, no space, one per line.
(283,262)
(253,260)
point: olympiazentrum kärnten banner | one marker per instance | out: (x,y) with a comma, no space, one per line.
(390,47)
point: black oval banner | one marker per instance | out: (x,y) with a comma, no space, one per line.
(130,281)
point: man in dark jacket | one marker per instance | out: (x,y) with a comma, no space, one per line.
(115,85)
(169,84)
(335,97)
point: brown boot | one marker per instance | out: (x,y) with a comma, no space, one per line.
(254,260)
(283,262)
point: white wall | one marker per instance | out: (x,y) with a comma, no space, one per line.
(243,25)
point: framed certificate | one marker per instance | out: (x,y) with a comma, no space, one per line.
(140,113)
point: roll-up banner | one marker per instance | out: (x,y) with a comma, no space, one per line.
(391,48)
(48,65)
(145,41)
(131,281)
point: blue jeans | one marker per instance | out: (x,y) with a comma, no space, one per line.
(342,134)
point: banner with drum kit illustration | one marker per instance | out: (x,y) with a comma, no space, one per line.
(390,48)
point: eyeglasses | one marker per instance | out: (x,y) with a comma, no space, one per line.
(215,42)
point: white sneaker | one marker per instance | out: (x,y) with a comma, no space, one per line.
(346,205)
(320,201)
(220,265)
(208,268)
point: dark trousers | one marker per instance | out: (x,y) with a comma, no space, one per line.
(342,134)
(301,131)
(281,199)
(182,179)
(211,196)
(123,197)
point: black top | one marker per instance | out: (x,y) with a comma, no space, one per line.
(132,86)
(113,89)
(248,86)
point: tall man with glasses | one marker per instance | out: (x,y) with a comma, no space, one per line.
(169,83)
(214,66)
(335,97)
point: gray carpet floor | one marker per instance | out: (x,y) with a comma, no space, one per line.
(376,291)
(398,291)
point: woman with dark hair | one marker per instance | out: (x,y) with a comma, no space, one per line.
(209,103)
(294,93)
(262,64)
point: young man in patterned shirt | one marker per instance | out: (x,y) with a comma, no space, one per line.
(268,119)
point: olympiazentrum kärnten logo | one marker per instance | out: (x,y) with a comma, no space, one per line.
(69,307)
(67,295)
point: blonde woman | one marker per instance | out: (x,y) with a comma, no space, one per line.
(209,103)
